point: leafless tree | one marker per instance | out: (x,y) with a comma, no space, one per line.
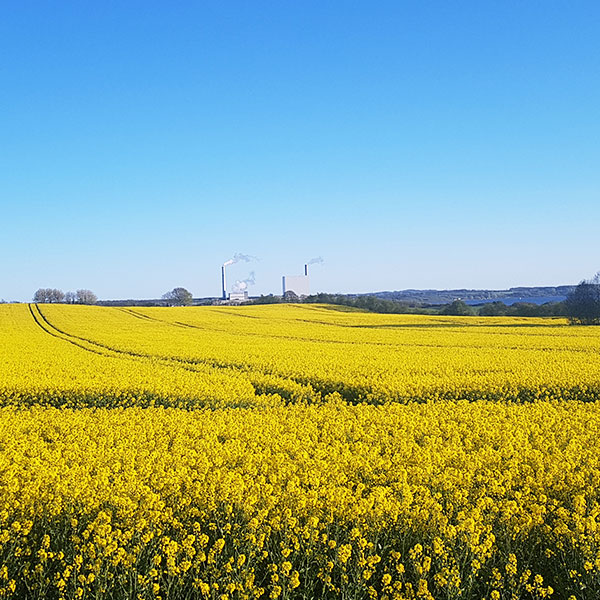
(86,297)
(48,295)
(56,295)
(40,295)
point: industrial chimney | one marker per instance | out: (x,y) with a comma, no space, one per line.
(223,281)
(305,270)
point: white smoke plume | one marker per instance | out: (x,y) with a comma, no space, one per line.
(316,261)
(242,285)
(237,257)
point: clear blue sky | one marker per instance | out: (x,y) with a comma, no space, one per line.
(411,144)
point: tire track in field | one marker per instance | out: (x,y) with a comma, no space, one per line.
(132,312)
(70,337)
(311,386)
(267,336)
(143,317)
(40,320)
(390,344)
(349,393)
(315,389)
(173,362)
(105,350)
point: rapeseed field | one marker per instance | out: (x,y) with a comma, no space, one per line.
(296,452)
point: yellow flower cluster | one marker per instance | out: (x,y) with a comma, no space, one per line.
(257,355)
(453,499)
(229,453)
(41,365)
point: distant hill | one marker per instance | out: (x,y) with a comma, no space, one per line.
(446,296)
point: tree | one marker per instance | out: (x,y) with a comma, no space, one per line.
(40,295)
(70,297)
(48,295)
(178,297)
(86,297)
(56,295)
(523,309)
(458,308)
(290,296)
(552,309)
(583,304)
(493,309)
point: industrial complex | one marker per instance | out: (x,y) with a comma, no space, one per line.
(298,285)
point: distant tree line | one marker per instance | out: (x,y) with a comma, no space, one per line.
(582,306)
(370,303)
(457,307)
(54,296)
(178,296)
(499,309)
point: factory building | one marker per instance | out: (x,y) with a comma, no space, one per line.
(238,296)
(299,284)
(240,288)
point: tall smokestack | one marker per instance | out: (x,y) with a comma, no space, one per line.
(306,270)
(224,282)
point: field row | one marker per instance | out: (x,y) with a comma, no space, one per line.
(465,500)
(257,356)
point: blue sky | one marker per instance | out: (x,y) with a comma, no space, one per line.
(410,144)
